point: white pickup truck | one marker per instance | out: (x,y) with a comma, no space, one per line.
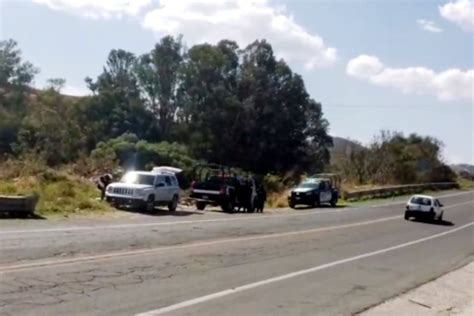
(146,189)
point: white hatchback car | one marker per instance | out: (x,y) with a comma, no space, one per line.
(424,206)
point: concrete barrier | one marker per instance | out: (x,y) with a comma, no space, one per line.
(397,190)
(19,204)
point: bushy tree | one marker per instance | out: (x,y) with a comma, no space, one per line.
(15,76)
(158,74)
(116,108)
(133,153)
(13,70)
(395,158)
(245,108)
(51,130)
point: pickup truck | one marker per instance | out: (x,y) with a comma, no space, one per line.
(316,190)
(219,186)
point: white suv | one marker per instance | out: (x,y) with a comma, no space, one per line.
(424,206)
(146,189)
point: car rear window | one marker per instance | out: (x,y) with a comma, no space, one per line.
(420,200)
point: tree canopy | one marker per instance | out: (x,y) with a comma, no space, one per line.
(217,103)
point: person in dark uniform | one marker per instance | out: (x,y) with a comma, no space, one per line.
(102,184)
(261,198)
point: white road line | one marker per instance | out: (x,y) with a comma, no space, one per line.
(253,285)
(456,205)
(112,255)
(256,216)
(79,228)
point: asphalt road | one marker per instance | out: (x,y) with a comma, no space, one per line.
(309,262)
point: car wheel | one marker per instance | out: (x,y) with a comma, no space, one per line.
(333,202)
(173,204)
(150,204)
(440,217)
(407,216)
(200,206)
(316,202)
(291,205)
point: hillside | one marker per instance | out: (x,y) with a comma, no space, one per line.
(458,168)
(343,146)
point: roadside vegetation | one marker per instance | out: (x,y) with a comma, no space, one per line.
(238,106)
(60,192)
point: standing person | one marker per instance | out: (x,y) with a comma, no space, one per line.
(102,184)
(261,198)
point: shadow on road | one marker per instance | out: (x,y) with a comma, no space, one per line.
(19,215)
(161,212)
(322,207)
(433,222)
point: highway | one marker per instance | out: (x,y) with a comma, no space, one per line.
(325,261)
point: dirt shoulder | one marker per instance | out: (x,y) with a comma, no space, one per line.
(451,294)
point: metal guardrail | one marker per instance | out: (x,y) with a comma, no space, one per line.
(398,190)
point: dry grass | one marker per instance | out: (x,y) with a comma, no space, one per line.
(465,183)
(60,193)
(278,199)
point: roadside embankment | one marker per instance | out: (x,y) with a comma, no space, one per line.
(451,294)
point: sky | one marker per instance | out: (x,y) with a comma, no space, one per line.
(401,65)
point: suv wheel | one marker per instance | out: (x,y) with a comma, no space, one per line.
(200,206)
(316,202)
(150,204)
(173,204)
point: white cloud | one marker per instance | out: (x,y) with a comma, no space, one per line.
(97,9)
(75,91)
(429,26)
(460,12)
(447,85)
(210,21)
(364,66)
(242,21)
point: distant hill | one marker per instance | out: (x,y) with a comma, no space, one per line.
(343,146)
(463,168)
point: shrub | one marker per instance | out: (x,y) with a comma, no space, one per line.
(132,153)
(59,192)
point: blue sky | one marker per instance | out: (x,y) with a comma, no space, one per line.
(399,65)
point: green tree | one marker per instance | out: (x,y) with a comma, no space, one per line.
(210,112)
(14,71)
(286,129)
(51,130)
(247,109)
(15,76)
(395,158)
(116,107)
(158,74)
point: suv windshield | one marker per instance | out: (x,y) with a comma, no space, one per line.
(311,185)
(137,178)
